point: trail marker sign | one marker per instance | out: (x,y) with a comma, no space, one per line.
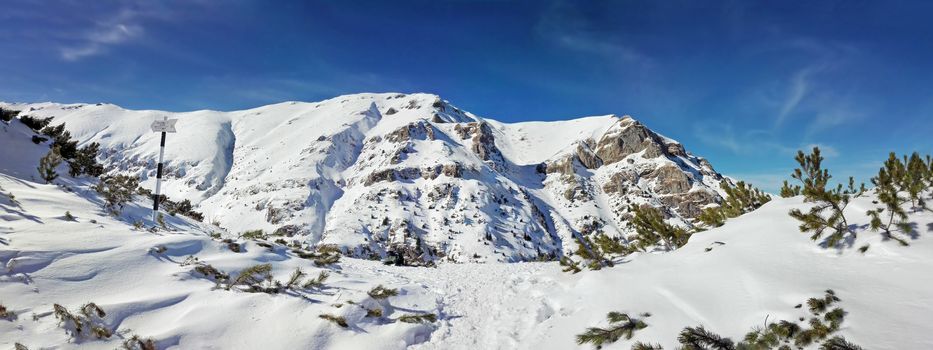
(164,126)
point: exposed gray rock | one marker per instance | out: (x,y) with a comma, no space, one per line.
(670,179)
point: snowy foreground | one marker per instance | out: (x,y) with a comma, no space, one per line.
(762,269)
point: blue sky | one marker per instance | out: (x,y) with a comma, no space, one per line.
(744,84)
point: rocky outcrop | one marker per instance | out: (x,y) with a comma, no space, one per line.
(670,179)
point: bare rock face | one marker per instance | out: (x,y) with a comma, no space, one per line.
(413,130)
(587,157)
(690,204)
(627,137)
(671,179)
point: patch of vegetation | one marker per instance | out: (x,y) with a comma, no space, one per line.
(137,343)
(815,180)
(338,320)
(48,163)
(6,314)
(621,325)
(88,321)
(381,292)
(740,199)
(253,235)
(35,124)
(7,115)
(418,318)
(652,230)
(117,190)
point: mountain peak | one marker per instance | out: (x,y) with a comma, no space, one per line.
(408,175)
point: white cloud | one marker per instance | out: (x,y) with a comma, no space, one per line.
(97,40)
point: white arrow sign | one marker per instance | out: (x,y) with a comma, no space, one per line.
(164,125)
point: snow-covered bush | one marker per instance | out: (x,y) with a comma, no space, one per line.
(88,321)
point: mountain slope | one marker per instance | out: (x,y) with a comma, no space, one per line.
(407,175)
(729,279)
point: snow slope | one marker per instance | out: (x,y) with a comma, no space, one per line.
(404,174)
(762,268)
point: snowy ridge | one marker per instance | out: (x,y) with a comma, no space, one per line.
(409,175)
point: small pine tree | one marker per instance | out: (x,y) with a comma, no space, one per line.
(815,179)
(48,163)
(117,190)
(839,343)
(646,346)
(788,190)
(698,338)
(380,292)
(651,229)
(913,180)
(887,190)
(69,217)
(622,326)
(85,161)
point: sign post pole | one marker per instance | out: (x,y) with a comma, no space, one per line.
(163,126)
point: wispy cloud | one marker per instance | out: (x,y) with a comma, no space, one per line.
(106,34)
(564,26)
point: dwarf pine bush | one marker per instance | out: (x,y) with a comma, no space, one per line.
(6,314)
(253,234)
(48,163)
(621,325)
(788,190)
(380,292)
(815,180)
(839,343)
(740,199)
(318,282)
(35,124)
(85,161)
(117,190)
(646,346)
(418,318)
(137,343)
(651,229)
(338,320)
(698,338)
(87,322)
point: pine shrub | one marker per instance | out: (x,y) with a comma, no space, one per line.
(137,343)
(621,325)
(418,318)
(317,283)
(815,181)
(48,163)
(651,229)
(380,292)
(6,314)
(7,115)
(85,161)
(35,124)
(646,346)
(338,320)
(117,190)
(740,199)
(698,338)
(839,343)
(788,190)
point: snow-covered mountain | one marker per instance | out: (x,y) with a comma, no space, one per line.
(410,174)
(60,249)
